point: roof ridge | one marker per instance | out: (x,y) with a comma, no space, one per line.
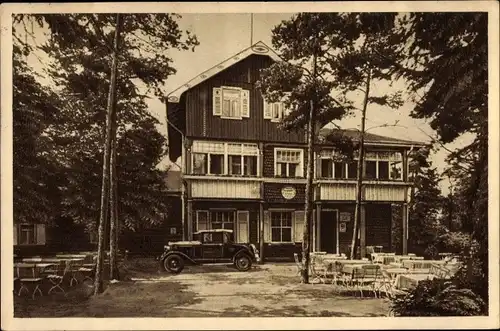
(258,48)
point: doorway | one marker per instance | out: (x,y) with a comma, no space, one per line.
(328,237)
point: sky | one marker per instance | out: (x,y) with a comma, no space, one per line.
(223,35)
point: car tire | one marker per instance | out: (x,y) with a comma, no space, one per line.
(173,264)
(243,262)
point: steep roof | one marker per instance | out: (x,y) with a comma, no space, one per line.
(373,139)
(258,48)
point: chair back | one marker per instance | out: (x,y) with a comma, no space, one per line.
(371,270)
(388,259)
(297,262)
(358,273)
(370,250)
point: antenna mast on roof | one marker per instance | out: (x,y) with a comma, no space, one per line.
(251,29)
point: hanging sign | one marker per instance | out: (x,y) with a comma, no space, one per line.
(343,227)
(288,192)
(345,217)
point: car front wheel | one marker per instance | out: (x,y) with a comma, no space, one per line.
(243,262)
(173,264)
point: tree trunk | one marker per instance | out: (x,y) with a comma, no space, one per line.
(359,183)
(113,204)
(98,284)
(306,238)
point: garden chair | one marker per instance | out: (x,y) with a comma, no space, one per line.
(75,269)
(56,277)
(29,276)
(384,283)
(365,277)
(388,259)
(88,269)
(298,263)
(318,270)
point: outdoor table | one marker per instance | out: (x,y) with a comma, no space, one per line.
(409,281)
(71,256)
(421,264)
(401,258)
(395,265)
(349,268)
(35,277)
(353,262)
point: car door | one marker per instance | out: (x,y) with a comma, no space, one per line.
(212,247)
(228,248)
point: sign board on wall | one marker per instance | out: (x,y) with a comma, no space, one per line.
(345,217)
(342,227)
(288,192)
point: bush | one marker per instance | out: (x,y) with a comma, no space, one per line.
(453,242)
(438,297)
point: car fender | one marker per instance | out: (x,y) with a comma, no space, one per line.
(242,251)
(184,256)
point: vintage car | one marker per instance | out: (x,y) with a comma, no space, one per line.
(208,247)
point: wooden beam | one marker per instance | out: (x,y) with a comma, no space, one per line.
(362,229)
(404,236)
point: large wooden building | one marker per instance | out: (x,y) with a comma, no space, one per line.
(242,172)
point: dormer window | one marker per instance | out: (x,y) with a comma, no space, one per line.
(231,102)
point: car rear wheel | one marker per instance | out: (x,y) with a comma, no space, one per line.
(243,262)
(173,264)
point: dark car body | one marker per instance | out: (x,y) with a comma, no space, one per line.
(209,247)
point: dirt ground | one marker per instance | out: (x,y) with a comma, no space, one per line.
(270,290)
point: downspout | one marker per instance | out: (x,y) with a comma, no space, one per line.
(183,169)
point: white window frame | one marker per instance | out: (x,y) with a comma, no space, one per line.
(253,150)
(301,161)
(210,219)
(33,231)
(243,95)
(292,225)
(376,157)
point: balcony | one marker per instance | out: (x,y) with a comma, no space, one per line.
(343,190)
(224,187)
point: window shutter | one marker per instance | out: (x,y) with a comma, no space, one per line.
(298,225)
(40,234)
(201,220)
(245,103)
(243,217)
(268,110)
(281,109)
(16,230)
(267,227)
(217,101)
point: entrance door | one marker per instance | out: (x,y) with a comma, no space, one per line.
(328,231)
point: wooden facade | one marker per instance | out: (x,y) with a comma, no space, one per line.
(266,205)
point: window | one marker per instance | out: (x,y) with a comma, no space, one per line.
(383,169)
(217,164)
(234,159)
(27,234)
(339,170)
(326,168)
(378,165)
(222,219)
(370,169)
(352,170)
(273,111)
(288,162)
(231,102)
(199,163)
(281,226)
